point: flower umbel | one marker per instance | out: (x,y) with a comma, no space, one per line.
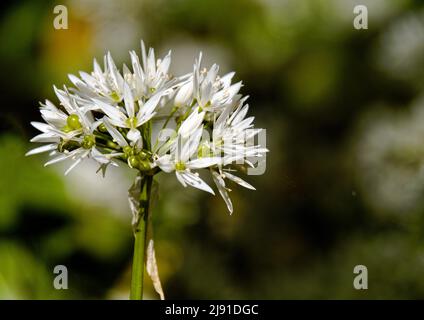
(108,116)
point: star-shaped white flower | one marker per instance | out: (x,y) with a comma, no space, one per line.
(129,117)
(184,148)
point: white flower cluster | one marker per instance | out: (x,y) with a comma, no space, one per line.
(108,116)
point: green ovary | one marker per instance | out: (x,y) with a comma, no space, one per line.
(88,142)
(72,123)
(131,122)
(180,166)
(204,151)
(133,161)
(114,96)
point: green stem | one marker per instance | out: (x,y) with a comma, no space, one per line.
(140,234)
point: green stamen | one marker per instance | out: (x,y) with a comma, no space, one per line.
(102,128)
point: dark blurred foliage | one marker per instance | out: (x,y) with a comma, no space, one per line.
(321,89)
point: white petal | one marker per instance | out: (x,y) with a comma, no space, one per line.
(99,157)
(226,79)
(114,73)
(147,110)
(49,105)
(203,163)
(129,101)
(221,121)
(133,135)
(163,67)
(165,163)
(136,65)
(180,178)
(193,180)
(76,162)
(61,157)
(48,147)
(54,117)
(239,181)
(96,67)
(239,114)
(43,127)
(191,123)
(64,100)
(220,184)
(88,79)
(116,135)
(151,63)
(184,95)
(113,113)
(48,137)
(189,147)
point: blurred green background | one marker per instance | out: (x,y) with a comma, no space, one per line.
(344,184)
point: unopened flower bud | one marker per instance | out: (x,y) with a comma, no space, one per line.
(184,95)
(133,161)
(128,150)
(142,154)
(144,165)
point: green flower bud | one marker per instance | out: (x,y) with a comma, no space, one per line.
(128,151)
(143,154)
(73,122)
(144,165)
(133,161)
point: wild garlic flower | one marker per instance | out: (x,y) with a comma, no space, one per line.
(109,116)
